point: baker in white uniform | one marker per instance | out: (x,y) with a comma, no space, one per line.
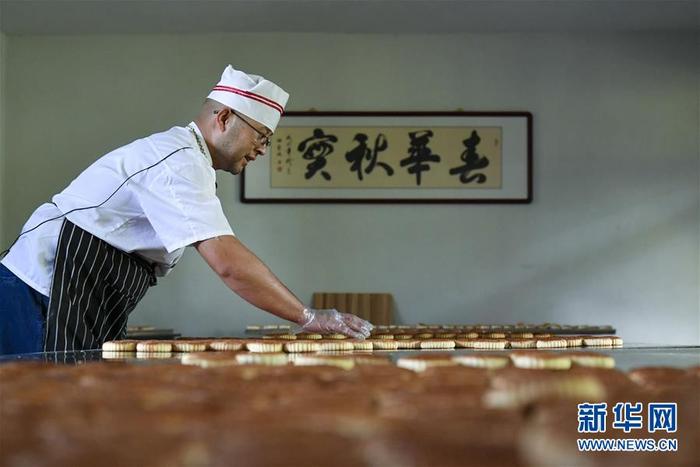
(83,262)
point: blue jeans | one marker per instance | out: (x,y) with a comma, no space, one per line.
(22,311)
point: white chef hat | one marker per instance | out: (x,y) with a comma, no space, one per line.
(251,95)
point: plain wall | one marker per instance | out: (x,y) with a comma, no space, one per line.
(612,236)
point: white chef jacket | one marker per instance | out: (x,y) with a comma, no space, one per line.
(156,214)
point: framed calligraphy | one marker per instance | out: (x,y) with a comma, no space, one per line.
(395,157)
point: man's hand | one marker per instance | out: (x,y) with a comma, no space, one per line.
(333,321)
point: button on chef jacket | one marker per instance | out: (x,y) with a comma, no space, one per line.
(156,214)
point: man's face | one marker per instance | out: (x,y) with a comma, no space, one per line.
(239,142)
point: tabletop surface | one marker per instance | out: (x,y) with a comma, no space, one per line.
(626,358)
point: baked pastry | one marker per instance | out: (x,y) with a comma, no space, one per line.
(521,335)
(209,359)
(550,343)
(422,361)
(659,377)
(464,343)
(399,337)
(490,344)
(383,336)
(120,346)
(468,335)
(309,336)
(573,341)
(381,344)
(423,335)
(283,336)
(154,346)
(482,360)
(189,346)
(262,358)
(336,346)
(437,344)
(361,344)
(335,336)
(148,355)
(226,345)
(445,335)
(264,345)
(522,343)
(299,346)
(616,340)
(494,335)
(411,344)
(598,341)
(371,359)
(339,361)
(116,355)
(533,359)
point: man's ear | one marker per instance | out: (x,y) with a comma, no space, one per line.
(223,117)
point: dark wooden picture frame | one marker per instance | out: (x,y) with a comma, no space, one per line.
(516,127)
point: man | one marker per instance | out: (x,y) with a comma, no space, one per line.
(85,260)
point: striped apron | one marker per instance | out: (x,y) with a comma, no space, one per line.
(95,286)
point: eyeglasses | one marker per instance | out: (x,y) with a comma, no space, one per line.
(263,139)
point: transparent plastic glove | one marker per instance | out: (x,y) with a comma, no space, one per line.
(333,321)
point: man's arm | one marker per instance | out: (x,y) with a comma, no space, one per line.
(246,275)
(249,277)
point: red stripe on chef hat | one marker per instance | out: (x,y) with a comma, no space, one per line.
(251,95)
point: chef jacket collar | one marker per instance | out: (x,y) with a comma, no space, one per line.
(204,146)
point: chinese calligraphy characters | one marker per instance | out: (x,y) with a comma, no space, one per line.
(362,152)
(316,148)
